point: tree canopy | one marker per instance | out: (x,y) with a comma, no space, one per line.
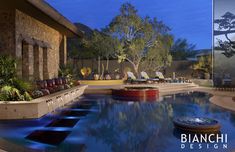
(142,40)
(204,64)
(182,49)
(102,44)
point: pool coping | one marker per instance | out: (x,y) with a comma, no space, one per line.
(102,82)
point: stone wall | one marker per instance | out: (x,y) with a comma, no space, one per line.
(37,34)
(181,68)
(7,35)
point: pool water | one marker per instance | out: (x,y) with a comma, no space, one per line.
(99,123)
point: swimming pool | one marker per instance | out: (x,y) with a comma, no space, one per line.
(100,123)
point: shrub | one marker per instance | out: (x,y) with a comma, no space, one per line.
(10,93)
(7,69)
(37,93)
(12,88)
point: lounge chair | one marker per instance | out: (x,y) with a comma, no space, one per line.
(160,76)
(133,79)
(145,76)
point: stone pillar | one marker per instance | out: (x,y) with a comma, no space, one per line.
(45,64)
(63,51)
(31,63)
(19,56)
(38,63)
(27,62)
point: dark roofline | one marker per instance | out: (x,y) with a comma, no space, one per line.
(56,16)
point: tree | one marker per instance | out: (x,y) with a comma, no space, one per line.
(104,46)
(139,37)
(158,58)
(204,64)
(226,26)
(181,49)
(77,49)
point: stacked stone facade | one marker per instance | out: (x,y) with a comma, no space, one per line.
(7,35)
(39,48)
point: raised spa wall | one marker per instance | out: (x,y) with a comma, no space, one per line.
(40,106)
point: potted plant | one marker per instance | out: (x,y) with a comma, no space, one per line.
(107,75)
(85,71)
(126,69)
(96,76)
(117,74)
(207,75)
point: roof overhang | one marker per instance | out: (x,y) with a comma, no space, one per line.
(42,11)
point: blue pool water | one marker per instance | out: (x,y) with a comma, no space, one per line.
(111,125)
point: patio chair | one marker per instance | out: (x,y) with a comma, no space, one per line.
(131,77)
(160,76)
(145,76)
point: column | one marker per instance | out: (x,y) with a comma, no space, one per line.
(63,51)
(38,63)
(31,63)
(27,61)
(45,63)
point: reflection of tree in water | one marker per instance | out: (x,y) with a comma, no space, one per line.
(134,127)
(195,104)
(148,127)
(226,26)
(207,108)
(188,104)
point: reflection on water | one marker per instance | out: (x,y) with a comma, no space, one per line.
(132,127)
(143,126)
(128,126)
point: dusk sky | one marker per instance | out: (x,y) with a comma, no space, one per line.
(190,19)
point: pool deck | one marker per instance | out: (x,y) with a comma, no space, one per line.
(219,98)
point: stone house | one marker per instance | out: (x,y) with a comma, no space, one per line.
(36,35)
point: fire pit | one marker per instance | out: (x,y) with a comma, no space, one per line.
(136,94)
(197,124)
